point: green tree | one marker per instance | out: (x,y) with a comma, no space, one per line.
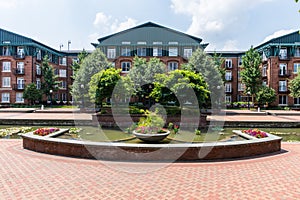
(265,95)
(294,87)
(76,65)
(32,94)
(102,85)
(218,60)
(251,74)
(92,64)
(176,84)
(49,82)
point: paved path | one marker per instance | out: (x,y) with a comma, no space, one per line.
(29,175)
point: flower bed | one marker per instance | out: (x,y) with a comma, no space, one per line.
(45,131)
(13,131)
(255,133)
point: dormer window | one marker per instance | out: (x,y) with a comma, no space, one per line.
(283,53)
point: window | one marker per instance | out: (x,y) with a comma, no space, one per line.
(240,61)
(6,51)
(38,83)
(156,43)
(143,43)
(19,97)
(297,101)
(5,97)
(264,71)
(20,68)
(5,81)
(20,83)
(141,51)
(38,70)
(264,83)
(241,86)
(282,69)
(283,53)
(125,51)
(126,42)
(228,75)
(20,52)
(63,61)
(228,63)
(173,51)
(63,85)
(239,75)
(282,100)
(125,67)
(63,73)
(297,53)
(228,99)
(39,55)
(111,53)
(172,66)
(64,97)
(173,43)
(187,52)
(56,72)
(6,67)
(157,51)
(296,67)
(227,87)
(282,86)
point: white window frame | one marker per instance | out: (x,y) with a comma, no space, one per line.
(20,51)
(6,82)
(141,51)
(172,66)
(20,67)
(38,70)
(173,51)
(283,53)
(157,51)
(297,101)
(63,73)
(126,51)
(187,52)
(282,69)
(38,83)
(6,66)
(228,87)
(19,97)
(5,97)
(241,87)
(228,63)
(264,71)
(125,66)
(20,83)
(63,61)
(228,99)
(281,100)
(296,68)
(6,51)
(111,52)
(63,85)
(282,86)
(228,75)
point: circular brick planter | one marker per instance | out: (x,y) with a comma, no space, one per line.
(152,152)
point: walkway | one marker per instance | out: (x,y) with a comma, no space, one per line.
(30,175)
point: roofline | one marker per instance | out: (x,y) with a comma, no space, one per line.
(141,25)
(270,41)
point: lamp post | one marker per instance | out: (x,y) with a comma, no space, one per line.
(248,95)
(50,97)
(82,97)
(218,88)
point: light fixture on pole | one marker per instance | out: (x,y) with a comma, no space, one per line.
(248,95)
(50,91)
(60,46)
(82,93)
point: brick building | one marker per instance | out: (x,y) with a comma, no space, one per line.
(20,61)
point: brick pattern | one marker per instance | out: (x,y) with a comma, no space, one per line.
(29,175)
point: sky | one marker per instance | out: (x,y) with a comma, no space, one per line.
(227,25)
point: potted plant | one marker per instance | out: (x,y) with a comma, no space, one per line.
(150,128)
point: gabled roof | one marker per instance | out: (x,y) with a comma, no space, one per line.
(288,39)
(146,32)
(16,39)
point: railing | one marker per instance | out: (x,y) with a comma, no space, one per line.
(19,86)
(282,89)
(284,73)
(283,57)
(20,56)
(20,71)
(228,78)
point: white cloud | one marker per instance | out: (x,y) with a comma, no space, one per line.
(278,34)
(106,24)
(230,45)
(4,4)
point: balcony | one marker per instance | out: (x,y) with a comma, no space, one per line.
(282,89)
(283,57)
(19,71)
(284,73)
(228,91)
(38,72)
(19,56)
(19,86)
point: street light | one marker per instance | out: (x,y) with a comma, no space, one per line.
(248,95)
(82,97)
(50,97)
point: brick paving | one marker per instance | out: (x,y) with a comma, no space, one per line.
(29,175)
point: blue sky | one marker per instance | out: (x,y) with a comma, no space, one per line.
(224,24)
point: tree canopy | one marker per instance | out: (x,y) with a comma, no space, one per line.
(265,95)
(294,87)
(31,93)
(49,82)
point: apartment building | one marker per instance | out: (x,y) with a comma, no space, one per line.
(21,62)
(21,57)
